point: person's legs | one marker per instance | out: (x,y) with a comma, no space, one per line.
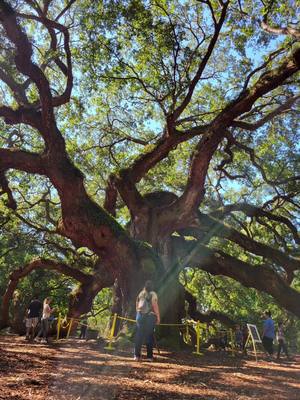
(34,324)
(285,349)
(151,320)
(81,336)
(271,347)
(280,344)
(45,329)
(140,335)
(84,332)
(268,345)
(28,327)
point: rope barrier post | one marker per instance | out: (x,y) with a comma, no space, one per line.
(112,332)
(58,326)
(197,329)
(69,330)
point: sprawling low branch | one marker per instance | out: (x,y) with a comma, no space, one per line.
(24,271)
(260,277)
(217,228)
(208,317)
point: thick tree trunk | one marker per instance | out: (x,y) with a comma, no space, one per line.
(4,316)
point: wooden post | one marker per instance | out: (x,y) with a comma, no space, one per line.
(70,326)
(197,329)
(112,332)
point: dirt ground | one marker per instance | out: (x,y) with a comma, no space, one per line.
(76,370)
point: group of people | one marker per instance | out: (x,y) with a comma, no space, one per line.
(147,316)
(269,333)
(38,313)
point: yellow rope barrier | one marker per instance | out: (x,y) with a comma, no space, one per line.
(62,324)
(126,319)
(133,320)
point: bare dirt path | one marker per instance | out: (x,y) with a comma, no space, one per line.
(74,370)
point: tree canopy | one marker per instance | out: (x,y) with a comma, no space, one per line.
(150,139)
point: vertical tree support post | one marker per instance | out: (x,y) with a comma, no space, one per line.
(58,326)
(112,332)
(197,329)
(70,326)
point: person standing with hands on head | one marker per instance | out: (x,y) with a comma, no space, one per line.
(47,311)
(268,333)
(147,316)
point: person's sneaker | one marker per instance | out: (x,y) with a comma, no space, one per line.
(150,359)
(136,358)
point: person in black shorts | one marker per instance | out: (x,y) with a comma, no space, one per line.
(32,317)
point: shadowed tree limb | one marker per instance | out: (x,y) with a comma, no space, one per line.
(20,273)
(260,277)
(207,317)
(217,228)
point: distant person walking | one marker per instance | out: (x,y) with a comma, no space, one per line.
(47,311)
(83,328)
(282,345)
(268,333)
(238,337)
(33,314)
(147,315)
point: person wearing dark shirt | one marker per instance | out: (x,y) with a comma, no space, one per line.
(238,337)
(83,328)
(32,318)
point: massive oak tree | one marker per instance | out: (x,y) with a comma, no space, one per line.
(159,136)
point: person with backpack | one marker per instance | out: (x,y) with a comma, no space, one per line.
(147,316)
